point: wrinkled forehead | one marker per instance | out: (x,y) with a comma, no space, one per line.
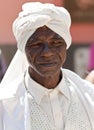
(44,31)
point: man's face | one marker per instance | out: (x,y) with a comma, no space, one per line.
(46,51)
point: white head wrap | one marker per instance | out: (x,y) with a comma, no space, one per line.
(33,16)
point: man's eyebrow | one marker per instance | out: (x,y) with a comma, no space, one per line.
(57,37)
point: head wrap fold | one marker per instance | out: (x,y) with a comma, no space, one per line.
(33,16)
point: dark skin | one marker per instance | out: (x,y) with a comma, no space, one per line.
(46,54)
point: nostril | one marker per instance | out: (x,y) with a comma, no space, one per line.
(47,51)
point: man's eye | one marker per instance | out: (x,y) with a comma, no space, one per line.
(58,43)
(36,45)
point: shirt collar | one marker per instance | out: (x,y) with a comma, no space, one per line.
(38,91)
(63,87)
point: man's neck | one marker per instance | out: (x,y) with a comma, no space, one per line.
(49,82)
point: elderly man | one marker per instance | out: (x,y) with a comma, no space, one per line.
(36,93)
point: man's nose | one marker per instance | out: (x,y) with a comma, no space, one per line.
(47,51)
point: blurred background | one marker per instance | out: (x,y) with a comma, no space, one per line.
(80,56)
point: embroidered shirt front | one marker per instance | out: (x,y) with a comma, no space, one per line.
(54,102)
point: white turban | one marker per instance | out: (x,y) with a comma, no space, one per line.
(33,16)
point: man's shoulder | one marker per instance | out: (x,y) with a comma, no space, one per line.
(82,84)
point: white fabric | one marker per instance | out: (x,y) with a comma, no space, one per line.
(56,109)
(17,66)
(54,102)
(34,15)
(15,111)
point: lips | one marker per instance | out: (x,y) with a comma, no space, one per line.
(48,64)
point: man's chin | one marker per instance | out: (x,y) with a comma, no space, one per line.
(50,73)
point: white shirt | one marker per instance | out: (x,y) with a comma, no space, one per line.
(14,107)
(54,102)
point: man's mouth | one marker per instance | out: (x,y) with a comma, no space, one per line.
(48,64)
